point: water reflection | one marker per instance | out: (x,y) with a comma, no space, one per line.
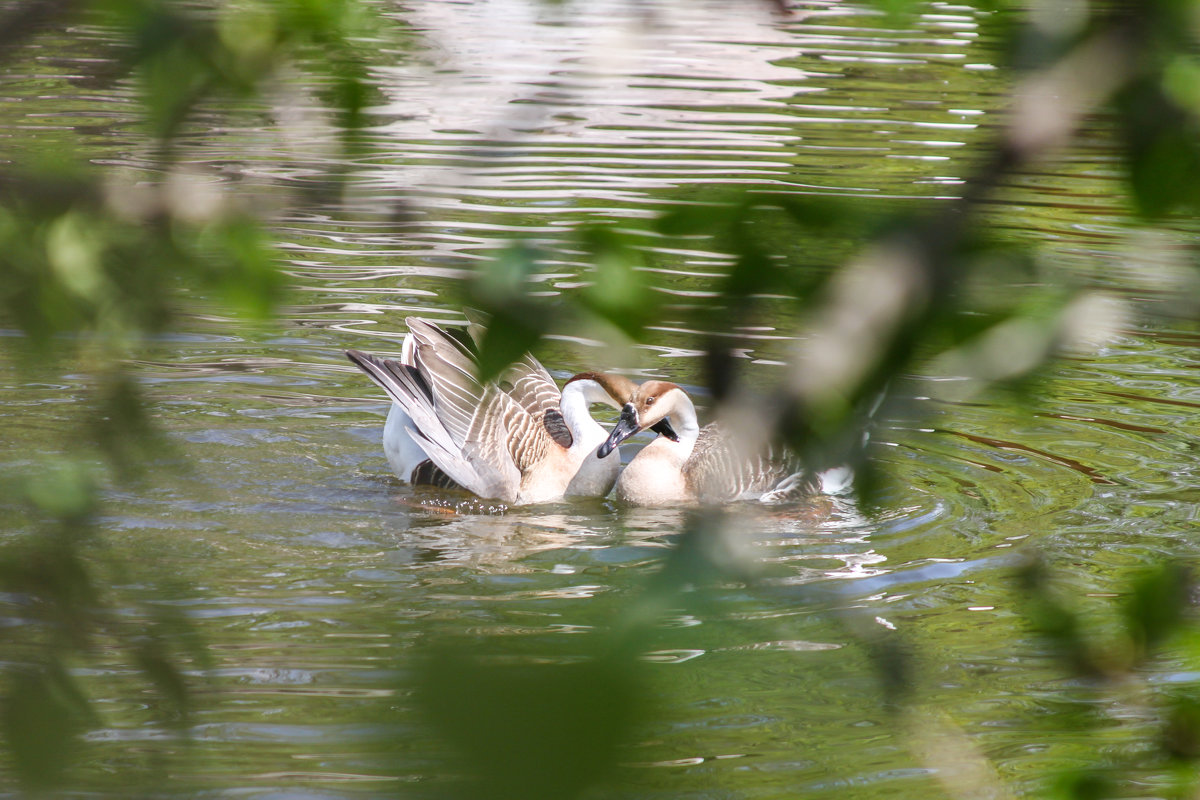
(498,542)
(605,111)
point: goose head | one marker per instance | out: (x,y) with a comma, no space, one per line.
(616,391)
(604,387)
(648,408)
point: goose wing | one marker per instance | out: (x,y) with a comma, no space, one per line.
(495,435)
(530,385)
(387,373)
(449,370)
(526,380)
(406,386)
(434,385)
(719,470)
(714,470)
(480,436)
(505,438)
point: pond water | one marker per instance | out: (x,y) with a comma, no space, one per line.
(314,578)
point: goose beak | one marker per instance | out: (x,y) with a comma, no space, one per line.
(626,426)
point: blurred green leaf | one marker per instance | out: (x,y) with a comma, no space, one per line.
(516,321)
(42,714)
(1083,784)
(90,269)
(1181,727)
(505,278)
(696,219)
(898,11)
(65,491)
(1162,149)
(529,731)
(1059,625)
(619,292)
(824,214)
(510,335)
(121,426)
(157,664)
(52,577)
(238,259)
(1156,605)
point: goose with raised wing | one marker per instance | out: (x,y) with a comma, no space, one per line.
(519,439)
(701,465)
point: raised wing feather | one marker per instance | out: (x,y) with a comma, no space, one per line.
(394,377)
(530,385)
(485,448)
(449,348)
(495,434)
(504,433)
(455,391)
(405,385)
(526,380)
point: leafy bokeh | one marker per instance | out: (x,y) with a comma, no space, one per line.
(91,269)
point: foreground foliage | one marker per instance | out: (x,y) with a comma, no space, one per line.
(91,269)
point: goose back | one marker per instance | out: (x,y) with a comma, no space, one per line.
(719,470)
(706,465)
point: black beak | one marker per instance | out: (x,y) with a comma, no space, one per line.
(626,426)
(663,428)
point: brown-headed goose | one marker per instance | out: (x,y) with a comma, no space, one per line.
(519,440)
(702,465)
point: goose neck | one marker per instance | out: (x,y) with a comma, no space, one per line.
(684,421)
(576,401)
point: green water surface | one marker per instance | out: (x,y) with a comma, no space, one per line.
(317,582)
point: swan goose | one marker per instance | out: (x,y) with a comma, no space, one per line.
(519,440)
(702,465)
